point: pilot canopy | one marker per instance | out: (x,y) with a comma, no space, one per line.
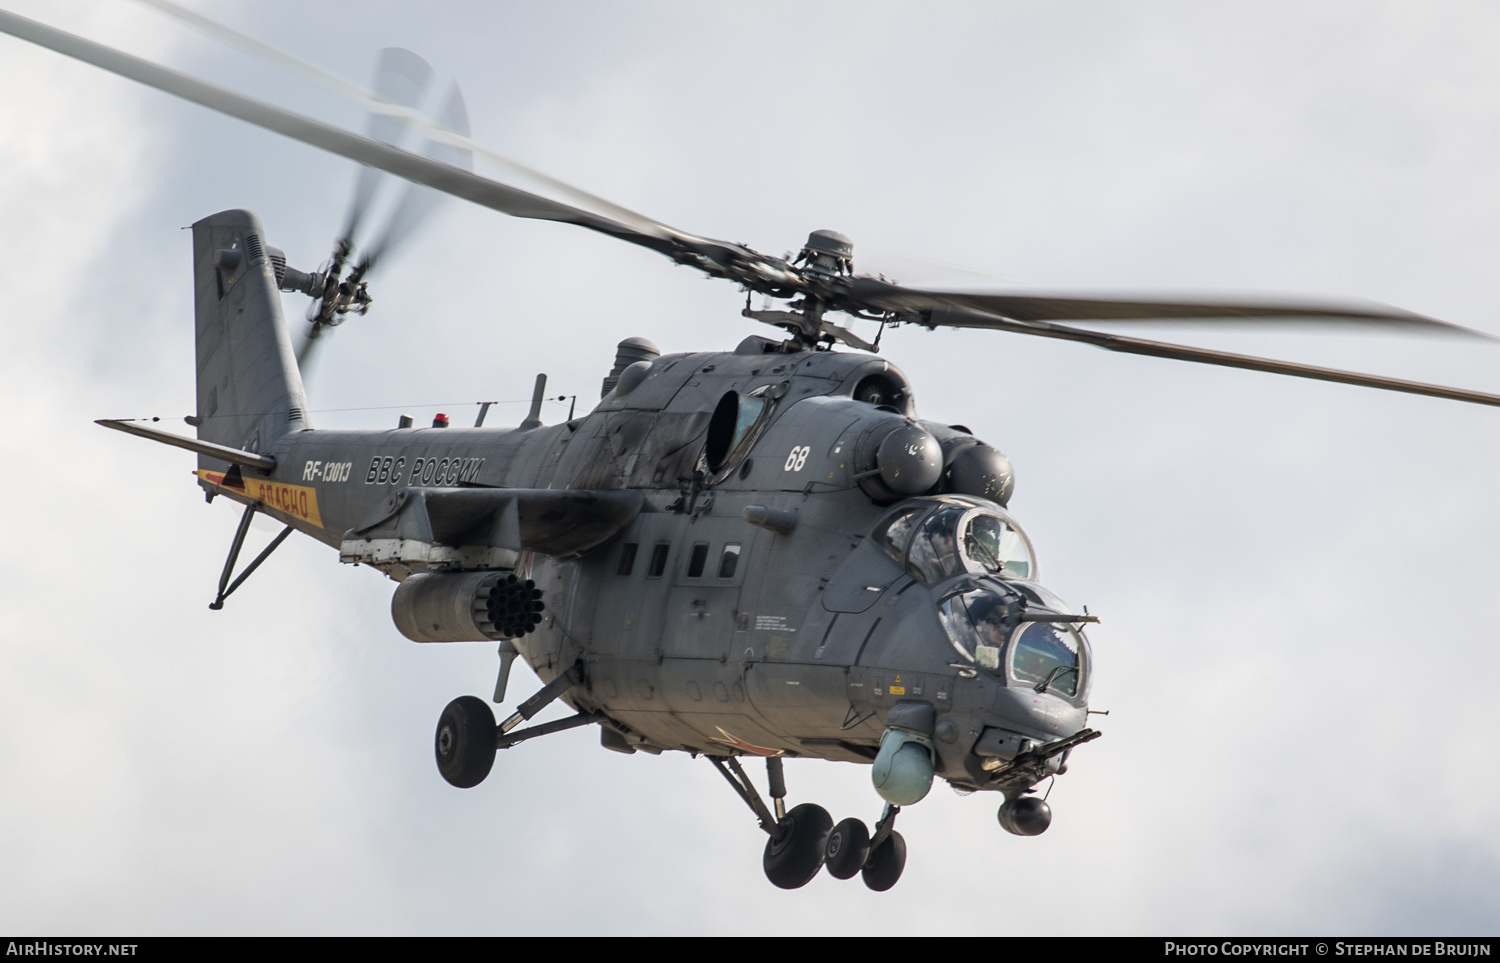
(959,536)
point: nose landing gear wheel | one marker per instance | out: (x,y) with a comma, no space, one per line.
(795,854)
(465,742)
(886,861)
(847,849)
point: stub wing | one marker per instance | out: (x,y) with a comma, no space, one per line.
(445,529)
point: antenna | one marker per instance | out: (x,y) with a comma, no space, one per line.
(534,417)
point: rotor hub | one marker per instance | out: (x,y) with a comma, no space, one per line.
(828,253)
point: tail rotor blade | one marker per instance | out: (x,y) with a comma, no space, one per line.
(401,79)
(305,349)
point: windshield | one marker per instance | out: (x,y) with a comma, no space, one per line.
(1046,653)
(991,544)
(957,539)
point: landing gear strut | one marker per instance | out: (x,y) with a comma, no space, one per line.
(804,839)
(795,854)
(879,858)
(887,857)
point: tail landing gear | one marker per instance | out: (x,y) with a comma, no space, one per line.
(805,839)
(465,742)
(467,737)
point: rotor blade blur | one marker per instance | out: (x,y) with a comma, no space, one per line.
(255,48)
(418,203)
(912,271)
(401,78)
(305,349)
(1022,305)
(412,167)
(356,95)
(957,318)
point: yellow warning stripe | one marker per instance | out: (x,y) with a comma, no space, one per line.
(299,501)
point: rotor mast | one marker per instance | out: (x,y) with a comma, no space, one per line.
(826,259)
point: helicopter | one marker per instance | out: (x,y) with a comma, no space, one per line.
(703,499)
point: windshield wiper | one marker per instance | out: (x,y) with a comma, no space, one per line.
(1057,670)
(976,543)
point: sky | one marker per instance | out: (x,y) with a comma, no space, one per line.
(1296,580)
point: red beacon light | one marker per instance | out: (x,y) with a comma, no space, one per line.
(440,420)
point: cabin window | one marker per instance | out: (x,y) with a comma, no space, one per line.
(730,560)
(627,558)
(698,560)
(658,560)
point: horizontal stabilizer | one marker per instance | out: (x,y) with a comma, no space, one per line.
(234,456)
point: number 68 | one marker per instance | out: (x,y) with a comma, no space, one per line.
(797,458)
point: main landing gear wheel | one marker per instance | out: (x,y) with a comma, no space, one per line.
(465,742)
(885,863)
(795,854)
(847,849)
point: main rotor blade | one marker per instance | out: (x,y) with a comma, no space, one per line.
(412,167)
(1022,305)
(401,78)
(436,132)
(958,318)
(417,203)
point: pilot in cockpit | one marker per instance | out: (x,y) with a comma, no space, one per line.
(934,553)
(989,621)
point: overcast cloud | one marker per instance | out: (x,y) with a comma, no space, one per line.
(1297,580)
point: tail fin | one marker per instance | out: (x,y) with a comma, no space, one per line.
(249,389)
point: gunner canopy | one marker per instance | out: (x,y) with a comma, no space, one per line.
(1047,654)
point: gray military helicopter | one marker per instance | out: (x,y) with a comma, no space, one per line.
(755,552)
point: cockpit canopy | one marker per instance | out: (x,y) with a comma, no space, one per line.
(957,536)
(982,571)
(988,625)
